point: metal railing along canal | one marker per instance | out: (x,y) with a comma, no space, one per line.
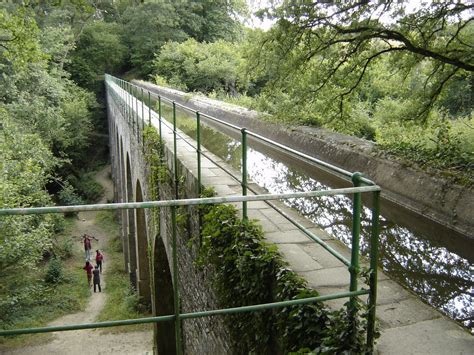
(123,91)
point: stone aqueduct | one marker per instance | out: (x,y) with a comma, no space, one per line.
(147,256)
(130,182)
(147,250)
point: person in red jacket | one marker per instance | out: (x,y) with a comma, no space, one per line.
(99,258)
(88,267)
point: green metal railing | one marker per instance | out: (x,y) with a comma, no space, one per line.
(177,316)
(125,102)
(356,178)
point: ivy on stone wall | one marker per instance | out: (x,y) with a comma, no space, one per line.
(157,171)
(250,271)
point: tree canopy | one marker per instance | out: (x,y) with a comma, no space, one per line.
(338,43)
(201,67)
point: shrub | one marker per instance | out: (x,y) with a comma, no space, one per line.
(66,249)
(88,188)
(68,197)
(54,274)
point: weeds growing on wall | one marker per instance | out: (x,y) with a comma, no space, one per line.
(157,170)
(249,271)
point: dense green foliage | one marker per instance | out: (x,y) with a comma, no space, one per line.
(249,271)
(35,297)
(25,164)
(204,67)
(46,125)
(161,22)
(99,50)
(406,84)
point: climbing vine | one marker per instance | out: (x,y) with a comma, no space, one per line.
(250,271)
(158,172)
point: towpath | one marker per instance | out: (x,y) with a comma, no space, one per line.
(93,341)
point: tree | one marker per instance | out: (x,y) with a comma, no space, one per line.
(99,50)
(339,42)
(19,43)
(150,25)
(212,20)
(37,93)
(203,67)
(26,164)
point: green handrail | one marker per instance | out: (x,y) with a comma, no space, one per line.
(354,267)
(357,178)
(167,318)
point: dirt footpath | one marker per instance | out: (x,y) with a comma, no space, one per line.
(93,341)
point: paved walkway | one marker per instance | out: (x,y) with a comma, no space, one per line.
(408,326)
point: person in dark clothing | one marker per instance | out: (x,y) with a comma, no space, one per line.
(97,278)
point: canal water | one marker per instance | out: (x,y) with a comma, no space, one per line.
(435,262)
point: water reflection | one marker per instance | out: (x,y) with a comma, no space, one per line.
(441,277)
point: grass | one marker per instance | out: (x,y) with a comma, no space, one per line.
(122,302)
(38,302)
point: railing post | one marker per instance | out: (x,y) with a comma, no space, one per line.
(129,106)
(198,149)
(125,98)
(159,116)
(177,321)
(354,267)
(175,152)
(149,108)
(120,96)
(143,116)
(244,172)
(374,241)
(136,109)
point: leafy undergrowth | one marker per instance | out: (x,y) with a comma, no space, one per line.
(248,271)
(122,302)
(35,297)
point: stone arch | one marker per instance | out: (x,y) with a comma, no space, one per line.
(143,275)
(163,304)
(132,251)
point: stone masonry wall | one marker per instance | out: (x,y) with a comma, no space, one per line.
(200,335)
(207,335)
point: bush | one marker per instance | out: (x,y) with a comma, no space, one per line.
(55,272)
(66,249)
(68,197)
(88,188)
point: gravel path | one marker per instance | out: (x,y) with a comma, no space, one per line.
(93,341)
